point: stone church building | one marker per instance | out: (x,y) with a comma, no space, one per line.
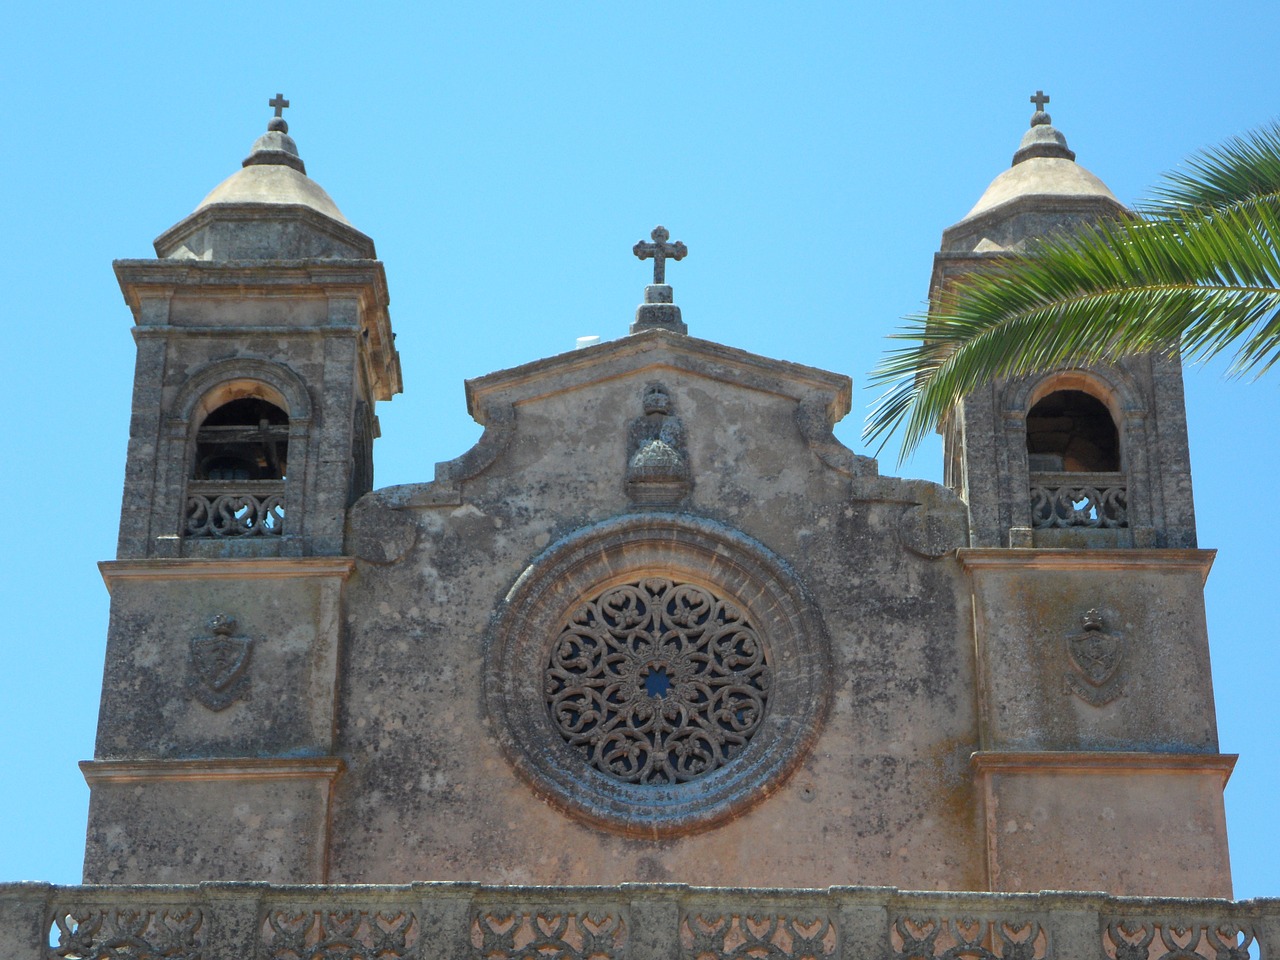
(657,631)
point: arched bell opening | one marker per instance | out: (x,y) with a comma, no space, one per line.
(1071,431)
(1075,459)
(239,463)
(245,439)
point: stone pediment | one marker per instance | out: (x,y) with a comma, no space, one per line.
(657,349)
(820,399)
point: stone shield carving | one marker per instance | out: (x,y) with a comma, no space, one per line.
(656,674)
(1096,657)
(219,665)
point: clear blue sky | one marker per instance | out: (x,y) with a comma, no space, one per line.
(505,158)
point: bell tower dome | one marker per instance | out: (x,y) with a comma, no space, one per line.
(263,345)
(1092,457)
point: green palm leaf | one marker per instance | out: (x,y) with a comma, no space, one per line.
(1201,274)
(1224,176)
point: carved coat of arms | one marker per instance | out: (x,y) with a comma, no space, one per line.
(1095,657)
(219,665)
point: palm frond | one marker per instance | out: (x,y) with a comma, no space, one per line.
(1241,169)
(1206,281)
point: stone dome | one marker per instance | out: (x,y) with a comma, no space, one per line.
(273,182)
(1044,191)
(268,210)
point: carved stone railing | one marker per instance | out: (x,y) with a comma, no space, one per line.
(1079,500)
(455,921)
(234,508)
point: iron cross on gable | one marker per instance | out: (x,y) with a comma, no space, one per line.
(279,102)
(1040,99)
(660,251)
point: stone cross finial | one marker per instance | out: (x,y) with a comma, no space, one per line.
(279,102)
(660,251)
(1040,99)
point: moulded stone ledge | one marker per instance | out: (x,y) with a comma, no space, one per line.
(1053,558)
(632,921)
(256,568)
(249,768)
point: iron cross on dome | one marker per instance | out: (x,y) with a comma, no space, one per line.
(279,102)
(659,251)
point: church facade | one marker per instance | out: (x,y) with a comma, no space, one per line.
(657,628)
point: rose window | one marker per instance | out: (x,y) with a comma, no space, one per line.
(657,682)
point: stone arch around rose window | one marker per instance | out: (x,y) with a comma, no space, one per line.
(729,610)
(245,512)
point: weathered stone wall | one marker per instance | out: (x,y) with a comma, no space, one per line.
(392,721)
(882,795)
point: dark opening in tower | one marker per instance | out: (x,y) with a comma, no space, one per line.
(245,439)
(1070,431)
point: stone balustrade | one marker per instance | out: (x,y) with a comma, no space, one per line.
(1079,500)
(239,508)
(451,921)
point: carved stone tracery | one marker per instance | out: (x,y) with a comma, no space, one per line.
(757,936)
(657,681)
(339,934)
(514,934)
(1174,939)
(968,938)
(246,508)
(682,720)
(127,934)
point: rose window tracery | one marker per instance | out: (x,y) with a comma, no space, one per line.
(657,682)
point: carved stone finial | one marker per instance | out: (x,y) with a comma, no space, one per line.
(660,251)
(659,310)
(276,146)
(278,122)
(1040,118)
(1043,139)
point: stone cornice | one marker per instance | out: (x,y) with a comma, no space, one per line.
(365,280)
(657,349)
(253,212)
(1099,206)
(265,568)
(236,275)
(974,558)
(1101,761)
(239,769)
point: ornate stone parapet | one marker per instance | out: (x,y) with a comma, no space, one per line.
(628,922)
(1099,500)
(241,508)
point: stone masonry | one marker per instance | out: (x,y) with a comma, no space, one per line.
(658,627)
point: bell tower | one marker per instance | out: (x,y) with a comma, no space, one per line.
(1088,592)
(1082,457)
(263,345)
